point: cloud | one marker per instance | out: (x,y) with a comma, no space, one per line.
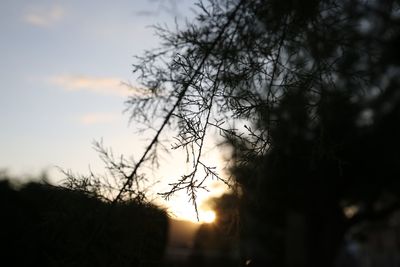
(99,85)
(97,118)
(44,17)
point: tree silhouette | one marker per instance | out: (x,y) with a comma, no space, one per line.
(320,179)
(231,69)
(306,91)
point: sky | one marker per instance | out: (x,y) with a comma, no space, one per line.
(62,67)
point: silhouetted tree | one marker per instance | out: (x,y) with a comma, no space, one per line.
(233,66)
(307,91)
(320,178)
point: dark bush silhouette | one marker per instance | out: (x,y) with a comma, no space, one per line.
(44,225)
(296,198)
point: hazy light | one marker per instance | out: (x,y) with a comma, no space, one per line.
(208,216)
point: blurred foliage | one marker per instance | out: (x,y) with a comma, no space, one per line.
(45,225)
(307,93)
(239,63)
(299,192)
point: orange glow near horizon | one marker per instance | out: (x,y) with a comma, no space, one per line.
(182,210)
(207,216)
(180,205)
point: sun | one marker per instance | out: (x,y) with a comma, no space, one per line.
(207,216)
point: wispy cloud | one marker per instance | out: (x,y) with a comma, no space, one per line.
(44,17)
(102,85)
(97,118)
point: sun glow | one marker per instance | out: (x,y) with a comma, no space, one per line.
(180,206)
(207,216)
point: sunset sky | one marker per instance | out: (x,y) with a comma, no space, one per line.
(62,68)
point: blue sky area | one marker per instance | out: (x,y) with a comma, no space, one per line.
(62,65)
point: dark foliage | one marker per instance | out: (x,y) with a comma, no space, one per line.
(296,196)
(313,86)
(44,225)
(235,67)
(306,92)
